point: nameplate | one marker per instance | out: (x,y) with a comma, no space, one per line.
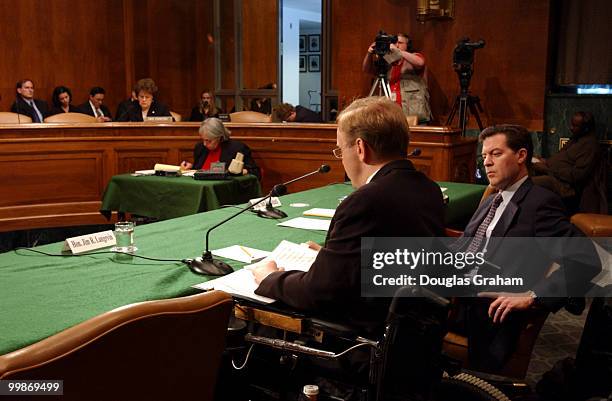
(160,118)
(262,205)
(89,242)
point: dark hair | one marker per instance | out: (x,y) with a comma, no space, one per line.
(281,112)
(96,90)
(147,85)
(57,92)
(588,121)
(23,81)
(517,138)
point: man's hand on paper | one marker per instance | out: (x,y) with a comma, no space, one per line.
(313,245)
(264,269)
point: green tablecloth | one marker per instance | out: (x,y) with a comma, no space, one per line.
(43,295)
(170,197)
(463,199)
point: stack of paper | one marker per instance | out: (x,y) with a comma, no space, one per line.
(320,212)
(307,224)
(287,255)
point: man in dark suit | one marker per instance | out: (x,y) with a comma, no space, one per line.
(392,200)
(124,107)
(25,103)
(95,107)
(518,209)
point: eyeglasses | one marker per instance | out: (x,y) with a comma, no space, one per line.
(338,151)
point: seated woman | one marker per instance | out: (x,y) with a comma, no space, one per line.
(147,105)
(62,96)
(216,146)
(206,108)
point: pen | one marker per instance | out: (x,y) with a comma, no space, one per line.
(245,251)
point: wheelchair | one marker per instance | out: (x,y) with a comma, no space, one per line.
(402,361)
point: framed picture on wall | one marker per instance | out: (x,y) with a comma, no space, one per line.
(302,63)
(303,39)
(314,63)
(314,43)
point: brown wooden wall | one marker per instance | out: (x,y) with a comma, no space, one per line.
(509,73)
(108,43)
(111,43)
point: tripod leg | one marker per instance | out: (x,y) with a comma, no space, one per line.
(451,116)
(463,117)
(374,85)
(476,115)
(386,88)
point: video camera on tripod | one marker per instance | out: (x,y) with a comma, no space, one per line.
(384,57)
(463,60)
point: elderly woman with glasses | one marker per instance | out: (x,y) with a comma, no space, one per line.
(217,146)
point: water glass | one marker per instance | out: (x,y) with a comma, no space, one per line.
(124,233)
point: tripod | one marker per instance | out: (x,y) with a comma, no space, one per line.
(465,101)
(381,83)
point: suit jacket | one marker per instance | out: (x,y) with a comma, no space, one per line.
(398,202)
(197,115)
(229,149)
(304,115)
(532,212)
(124,107)
(85,108)
(135,113)
(59,110)
(21,107)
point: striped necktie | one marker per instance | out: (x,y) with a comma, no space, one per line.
(482,228)
(37,116)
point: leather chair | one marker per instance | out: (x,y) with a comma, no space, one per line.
(7,117)
(249,117)
(156,350)
(70,118)
(177,117)
(593,225)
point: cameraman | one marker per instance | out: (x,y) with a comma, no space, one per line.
(405,76)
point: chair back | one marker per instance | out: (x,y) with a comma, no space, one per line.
(177,117)
(6,117)
(70,118)
(157,350)
(249,117)
(411,365)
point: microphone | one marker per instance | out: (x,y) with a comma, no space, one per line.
(415,152)
(271,212)
(207,265)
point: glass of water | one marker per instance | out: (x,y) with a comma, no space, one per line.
(124,233)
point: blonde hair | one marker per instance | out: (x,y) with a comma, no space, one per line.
(380,122)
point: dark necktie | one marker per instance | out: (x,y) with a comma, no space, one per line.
(35,114)
(481,233)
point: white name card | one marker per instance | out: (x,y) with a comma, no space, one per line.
(90,242)
(259,205)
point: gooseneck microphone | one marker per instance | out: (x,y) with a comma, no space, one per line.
(415,152)
(271,212)
(207,265)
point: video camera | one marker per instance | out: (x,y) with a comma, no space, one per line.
(382,43)
(463,54)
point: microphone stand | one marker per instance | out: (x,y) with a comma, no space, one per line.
(272,213)
(207,265)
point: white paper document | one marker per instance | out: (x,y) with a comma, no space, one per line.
(240,253)
(144,172)
(320,212)
(287,254)
(307,224)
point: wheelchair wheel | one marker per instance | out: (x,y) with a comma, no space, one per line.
(465,387)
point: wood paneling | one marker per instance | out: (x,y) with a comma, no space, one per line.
(509,73)
(63,169)
(61,42)
(259,43)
